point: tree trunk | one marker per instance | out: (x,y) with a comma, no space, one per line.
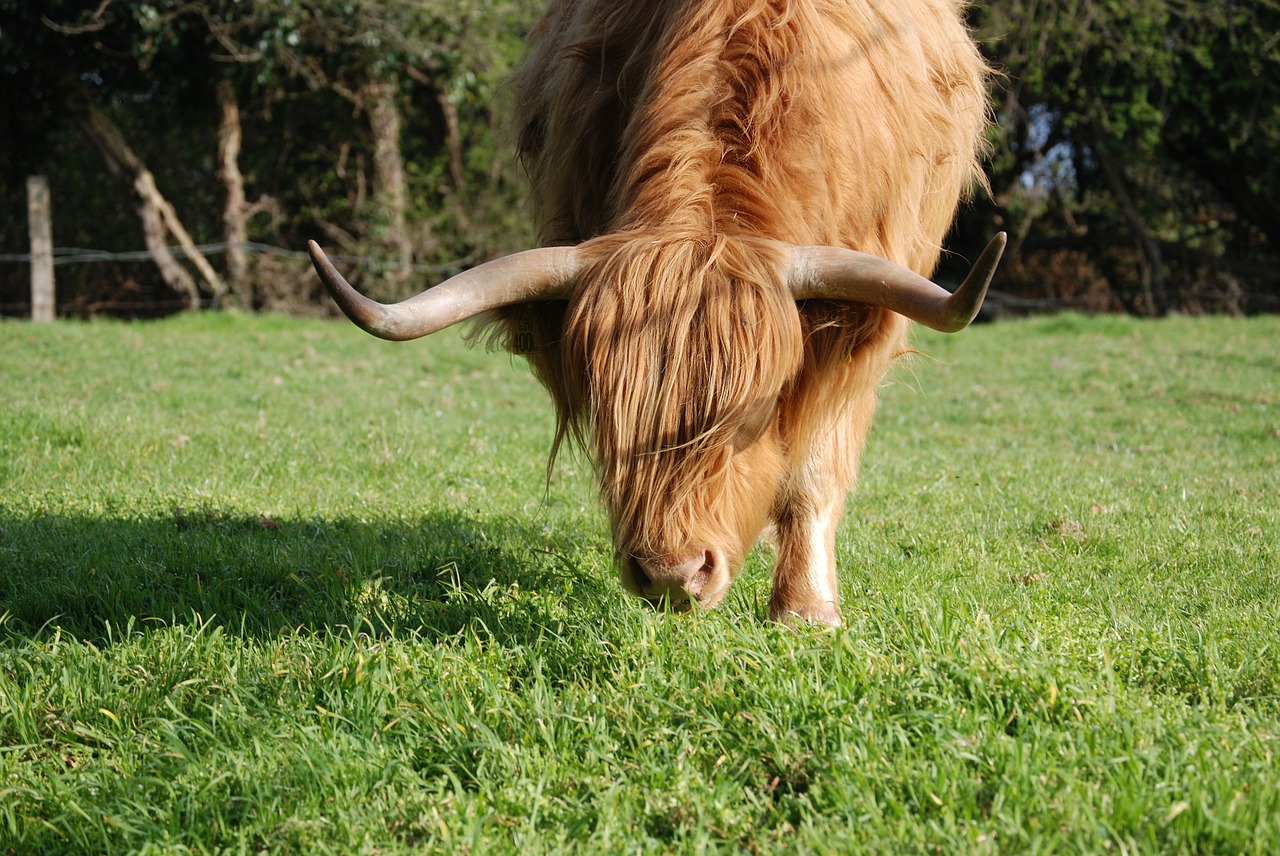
(157,215)
(457,171)
(390,193)
(154,235)
(234,209)
(1155,278)
(453,138)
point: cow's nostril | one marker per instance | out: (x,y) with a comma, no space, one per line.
(642,581)
(697,582)
(675,577)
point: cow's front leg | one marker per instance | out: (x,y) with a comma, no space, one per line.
(804,578)
(809,511)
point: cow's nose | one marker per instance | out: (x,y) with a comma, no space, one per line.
(675,578)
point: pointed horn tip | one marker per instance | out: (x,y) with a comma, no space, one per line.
(363,312)
(319,260)
(997,244)
(339,289)
(989,258)
(968,298)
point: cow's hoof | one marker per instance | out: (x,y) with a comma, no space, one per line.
(820,613)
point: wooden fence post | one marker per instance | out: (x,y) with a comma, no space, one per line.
(38,221)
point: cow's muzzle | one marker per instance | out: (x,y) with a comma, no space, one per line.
(695,576)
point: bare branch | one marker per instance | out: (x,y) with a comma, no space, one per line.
(97,21)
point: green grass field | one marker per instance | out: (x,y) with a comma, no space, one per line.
(273,585)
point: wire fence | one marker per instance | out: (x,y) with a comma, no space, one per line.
(999,301)
(76,255)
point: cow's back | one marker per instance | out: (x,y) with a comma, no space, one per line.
(855,124)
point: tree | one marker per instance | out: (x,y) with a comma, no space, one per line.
(1141,132)
(57,58)
(373,125)
(1134,153)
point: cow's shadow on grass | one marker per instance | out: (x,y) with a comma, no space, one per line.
(437,575)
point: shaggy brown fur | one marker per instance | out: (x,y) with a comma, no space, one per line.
(682,143)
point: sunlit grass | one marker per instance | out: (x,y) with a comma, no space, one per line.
(274,585)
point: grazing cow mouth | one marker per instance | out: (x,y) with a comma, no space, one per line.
(680,580)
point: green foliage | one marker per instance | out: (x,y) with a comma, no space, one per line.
(1166,116)
(275,585)
(1134,153)
(299,73)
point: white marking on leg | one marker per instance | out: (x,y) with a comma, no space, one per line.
(820,570)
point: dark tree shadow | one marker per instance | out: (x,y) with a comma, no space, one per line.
(437,575)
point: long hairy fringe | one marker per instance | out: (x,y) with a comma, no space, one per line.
(676,344)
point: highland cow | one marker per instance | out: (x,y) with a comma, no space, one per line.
(739,202)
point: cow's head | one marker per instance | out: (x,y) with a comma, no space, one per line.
(675,353)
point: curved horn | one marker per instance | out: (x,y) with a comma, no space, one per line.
(835,273)
(526,277)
